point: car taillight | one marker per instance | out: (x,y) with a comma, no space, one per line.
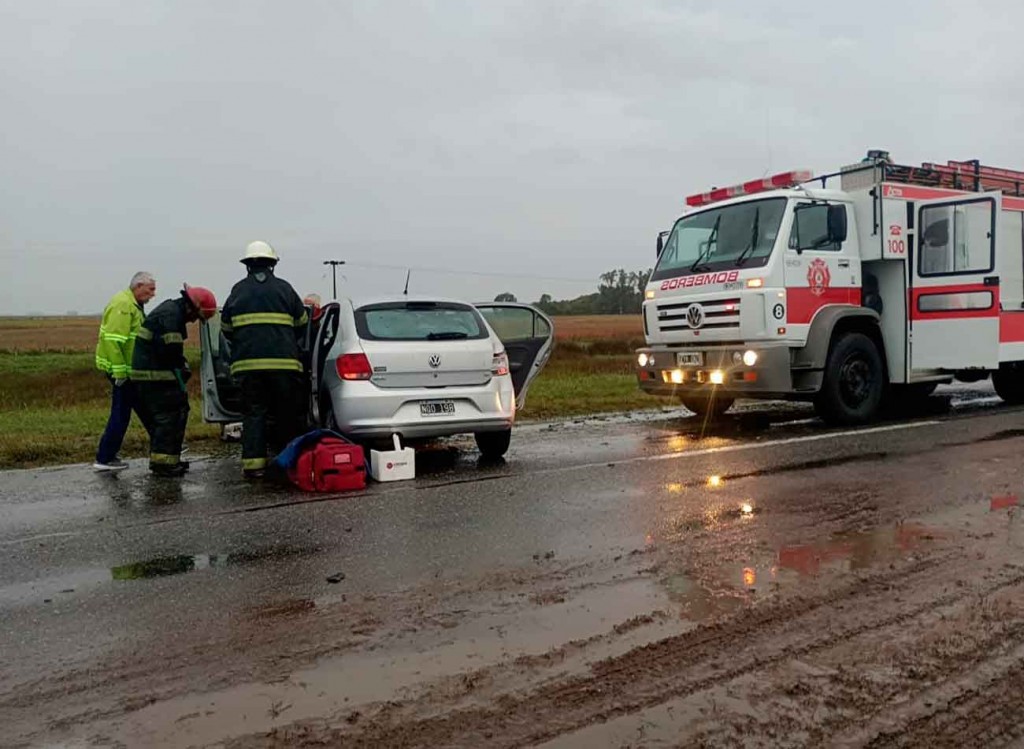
(499,365)
(353,367)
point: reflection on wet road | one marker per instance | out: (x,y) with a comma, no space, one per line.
(152,612)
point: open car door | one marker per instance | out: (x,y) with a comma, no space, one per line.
(222,398)
(324,334)
(528,335)
(221,394)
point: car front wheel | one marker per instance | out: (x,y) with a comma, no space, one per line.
(493,444)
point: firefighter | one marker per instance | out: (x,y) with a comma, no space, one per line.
(160,371)
(264,319)
(122,318)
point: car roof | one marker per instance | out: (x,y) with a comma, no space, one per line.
(358,302)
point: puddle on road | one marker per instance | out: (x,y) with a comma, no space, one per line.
(724,589)
(53,589)
(562,631)
(180,564)
(857,550)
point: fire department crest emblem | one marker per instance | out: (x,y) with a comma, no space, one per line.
(818,276)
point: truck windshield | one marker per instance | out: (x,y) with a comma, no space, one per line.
(745,236)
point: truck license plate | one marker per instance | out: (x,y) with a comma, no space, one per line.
(437,408)
(690,358)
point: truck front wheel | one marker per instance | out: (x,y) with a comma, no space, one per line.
(853,386)
(704,407)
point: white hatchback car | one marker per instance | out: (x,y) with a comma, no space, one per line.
(417,367)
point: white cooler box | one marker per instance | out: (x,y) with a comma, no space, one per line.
(393,465)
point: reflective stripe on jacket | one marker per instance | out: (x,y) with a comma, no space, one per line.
(120,324)
(264,319)
(160,345)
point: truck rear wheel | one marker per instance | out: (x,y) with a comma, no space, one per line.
(853,386)
(713,406)
(1009,384)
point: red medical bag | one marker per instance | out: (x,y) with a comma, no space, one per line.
(329,465)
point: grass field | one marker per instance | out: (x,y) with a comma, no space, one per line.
(54,404)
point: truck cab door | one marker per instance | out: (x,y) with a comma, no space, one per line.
(819,272)
(528,335)
(324,334)
(954,294)
(221,396)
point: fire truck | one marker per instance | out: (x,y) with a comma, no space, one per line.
(853,290)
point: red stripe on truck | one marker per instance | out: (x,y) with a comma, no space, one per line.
(1011,327)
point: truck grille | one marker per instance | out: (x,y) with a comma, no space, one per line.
(718,314)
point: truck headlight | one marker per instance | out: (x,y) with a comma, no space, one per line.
(750,358)
(643,360)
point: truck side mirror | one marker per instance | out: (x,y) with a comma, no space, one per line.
(660,246)
(837,223)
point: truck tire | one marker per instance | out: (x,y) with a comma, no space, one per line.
(853,385)
(493,445)
(714,406)
(1009,384)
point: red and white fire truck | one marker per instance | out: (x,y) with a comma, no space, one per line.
(878,281)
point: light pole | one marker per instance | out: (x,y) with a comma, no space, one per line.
(334,274)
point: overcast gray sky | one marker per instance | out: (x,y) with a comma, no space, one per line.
(471,141)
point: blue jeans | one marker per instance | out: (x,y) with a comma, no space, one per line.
(122,402)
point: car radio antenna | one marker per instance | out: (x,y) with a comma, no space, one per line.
(407,274)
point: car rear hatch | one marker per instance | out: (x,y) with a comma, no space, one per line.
(425,344)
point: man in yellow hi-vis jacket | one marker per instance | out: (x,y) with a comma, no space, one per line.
(264,319)
(121,321)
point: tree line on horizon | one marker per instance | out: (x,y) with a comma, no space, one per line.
(620,292)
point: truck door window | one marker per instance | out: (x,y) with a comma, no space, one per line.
(957,238)
(810,229)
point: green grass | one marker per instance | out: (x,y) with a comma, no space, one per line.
(54,406)
(41,436)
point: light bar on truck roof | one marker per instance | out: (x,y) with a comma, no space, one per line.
(775,182)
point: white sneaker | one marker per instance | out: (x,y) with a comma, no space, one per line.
(112,467)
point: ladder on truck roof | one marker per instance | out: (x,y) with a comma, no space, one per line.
(956,175)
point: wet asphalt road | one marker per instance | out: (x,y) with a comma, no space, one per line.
(93,567)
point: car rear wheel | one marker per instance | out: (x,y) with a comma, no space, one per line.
(493,444)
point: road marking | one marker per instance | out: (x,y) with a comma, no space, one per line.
(752,445)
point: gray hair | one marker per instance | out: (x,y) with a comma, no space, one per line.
(142,278)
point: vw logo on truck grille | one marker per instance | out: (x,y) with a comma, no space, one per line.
(695,315)
(434,361)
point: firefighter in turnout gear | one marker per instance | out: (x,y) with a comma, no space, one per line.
(160,371)
(264,319)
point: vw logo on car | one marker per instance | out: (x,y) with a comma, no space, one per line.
(694,315)
(434,361)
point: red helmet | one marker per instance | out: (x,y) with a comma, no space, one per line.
(203,300)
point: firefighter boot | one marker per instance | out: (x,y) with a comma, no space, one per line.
(165,471)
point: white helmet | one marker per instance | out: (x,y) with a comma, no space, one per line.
(260,250)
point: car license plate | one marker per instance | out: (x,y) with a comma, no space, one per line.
(437,408)
(690,358)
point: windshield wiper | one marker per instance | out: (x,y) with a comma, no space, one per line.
(454,335)
(707,251)
(742,257)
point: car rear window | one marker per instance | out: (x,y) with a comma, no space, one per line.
(419,321)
